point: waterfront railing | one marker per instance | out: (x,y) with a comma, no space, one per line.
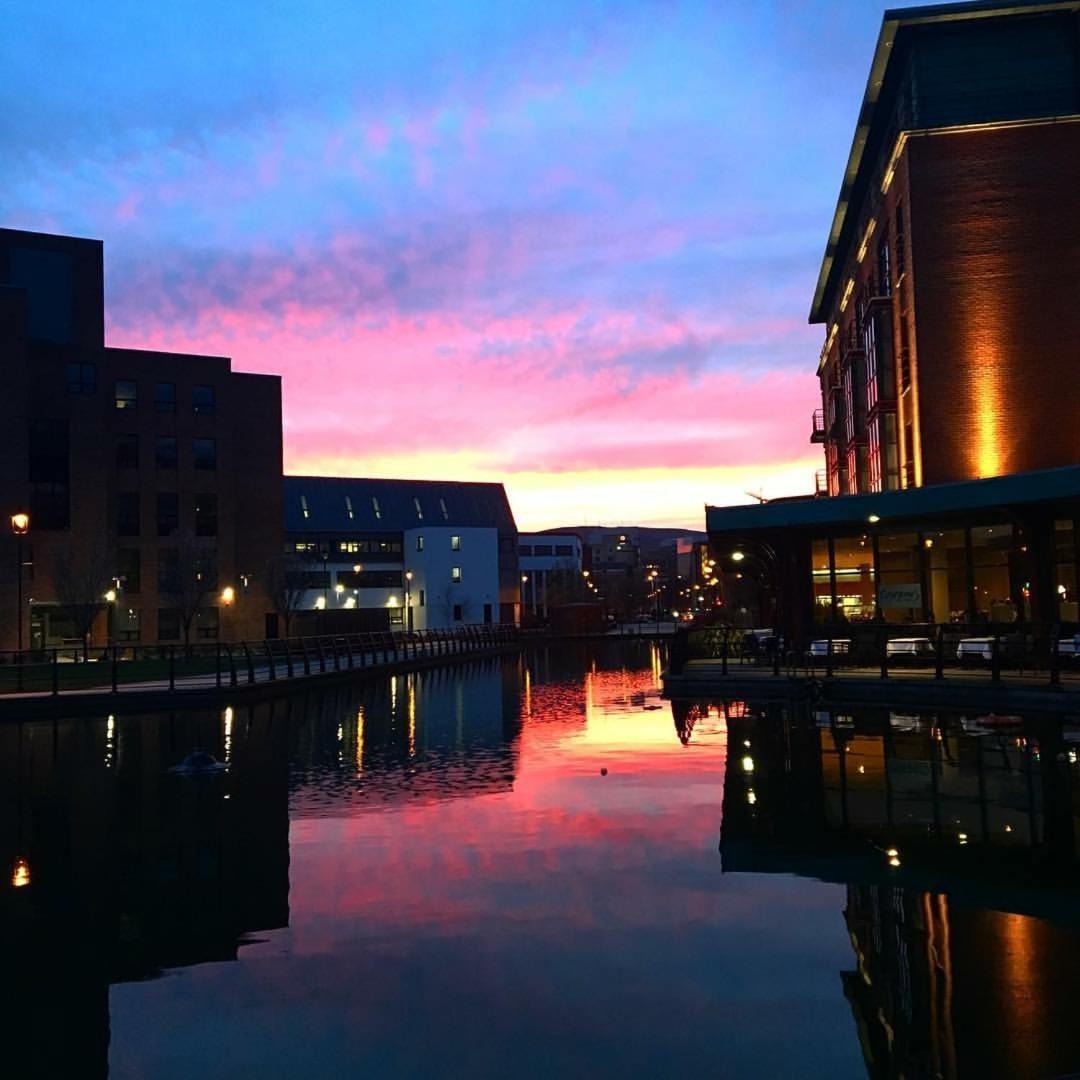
(170,667)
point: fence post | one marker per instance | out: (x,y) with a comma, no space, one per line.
(348,647)
(939,661)
(172,668)
(232,665)
(883,635)
(723,657)
(55,672)
(828,657)
(322,655)
(250,663)
(115,672)
(1055,656)
(995,659)
(307,659)
(218,667)
(271,671)
(18,670)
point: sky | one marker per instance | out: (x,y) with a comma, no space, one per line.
(570,246)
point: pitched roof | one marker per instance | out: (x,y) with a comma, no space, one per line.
(332,504)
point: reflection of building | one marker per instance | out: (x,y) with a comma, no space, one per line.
(946,283)
(941,840)
(362,551)
(154,477)
(129,869)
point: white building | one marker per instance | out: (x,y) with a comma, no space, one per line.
(551,571)
(386,554)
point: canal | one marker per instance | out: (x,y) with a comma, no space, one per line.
(535,866)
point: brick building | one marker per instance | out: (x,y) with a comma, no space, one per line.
(948,287)
(948,376)
(152,480)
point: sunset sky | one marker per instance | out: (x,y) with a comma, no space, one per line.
(569,246)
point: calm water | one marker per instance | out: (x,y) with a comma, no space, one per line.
(433,876)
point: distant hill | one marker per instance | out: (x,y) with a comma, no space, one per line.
(647,537)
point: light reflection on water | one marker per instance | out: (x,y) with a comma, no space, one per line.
(537,867)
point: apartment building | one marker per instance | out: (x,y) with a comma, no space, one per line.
(151,481)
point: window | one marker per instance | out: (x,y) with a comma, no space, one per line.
(419,509)
(542,549)
(423,598)
(369,579)
(206,522)
(457,613)
(126,625)
(165,397)
(306,547)
(487,614)
(525,549)
(127,451)
(50,493)
(455,543)
(165,453)
(205,454)
(419,543)
(127,513)
(305,510)
(168,570)
(202,400)
(206,624)
(168,622)
(128,570)
(82,378)
(445,512)
(1065,549)
(375,507)
(455,574)
(349,507)
(126,396)
(564,549)
(308,579)
(168,513)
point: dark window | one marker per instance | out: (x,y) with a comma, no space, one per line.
(564,549)
(165,453)
(165,397)
(127,513)
(422,598)
(206,624)
(202,400)
(168,622)
(82,378)
(168,569)
(457,613)
(487,614)
(168,513)
(206,523)
(205,453)
(542,549)
(48,473)
(308,579)
(127,451)
(128,569)
(525,549)
(126,396)
(369,579)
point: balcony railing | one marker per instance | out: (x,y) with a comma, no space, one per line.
(821,483)
(817,426)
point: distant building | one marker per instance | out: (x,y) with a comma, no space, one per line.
(551,572)
(389,554)
(152,480)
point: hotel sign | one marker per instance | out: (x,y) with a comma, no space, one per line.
(900,596)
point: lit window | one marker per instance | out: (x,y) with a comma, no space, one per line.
(455,574)
(304,508)
(455,543)
(375,507)
(419,543)
(445,512)
(126,394)
(419,510)
(348,507)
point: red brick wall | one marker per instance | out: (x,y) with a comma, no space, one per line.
(995,238)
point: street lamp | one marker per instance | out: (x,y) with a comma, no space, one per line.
(408,601)
(20,526)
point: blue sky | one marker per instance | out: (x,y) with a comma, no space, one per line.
(567,245)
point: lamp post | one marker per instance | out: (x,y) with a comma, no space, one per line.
(524,582)
(408,601)
(20,526)
(653,575)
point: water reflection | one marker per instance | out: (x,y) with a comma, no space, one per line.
(512,866)
(955,839)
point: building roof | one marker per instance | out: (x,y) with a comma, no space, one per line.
(358,505)
(962,497)
(872,116)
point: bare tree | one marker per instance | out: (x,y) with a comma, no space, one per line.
(81,580)
(188,578)
(285,585)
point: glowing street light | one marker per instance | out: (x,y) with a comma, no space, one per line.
(228,595)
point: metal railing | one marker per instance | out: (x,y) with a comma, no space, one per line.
(1043,652)
(172,667)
